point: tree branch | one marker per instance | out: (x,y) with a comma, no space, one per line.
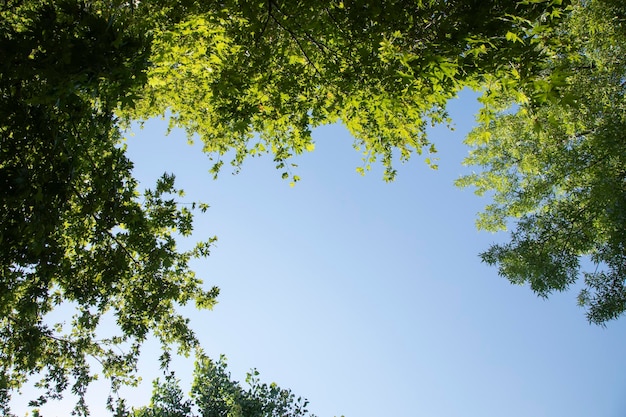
(295,38)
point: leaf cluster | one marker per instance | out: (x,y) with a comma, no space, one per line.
(215,394)
(553,157)
(255,77)
(74,231)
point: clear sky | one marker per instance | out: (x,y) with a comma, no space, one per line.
(369,299)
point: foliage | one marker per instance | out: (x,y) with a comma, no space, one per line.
(215,394)
(255,76)
(250,77)
(556,164)
(74,232)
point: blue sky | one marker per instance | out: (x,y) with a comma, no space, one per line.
(369,298)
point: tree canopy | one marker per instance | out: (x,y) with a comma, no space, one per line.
(215,394)
(554,158)
(254,77)
(74,231)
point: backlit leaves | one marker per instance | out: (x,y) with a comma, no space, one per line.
(255,77)
(554,161)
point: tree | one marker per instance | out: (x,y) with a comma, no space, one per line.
(255,76)
(246,76)
(554,158)
(215,394)
(73,230)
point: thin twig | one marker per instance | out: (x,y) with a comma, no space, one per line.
(295,38)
